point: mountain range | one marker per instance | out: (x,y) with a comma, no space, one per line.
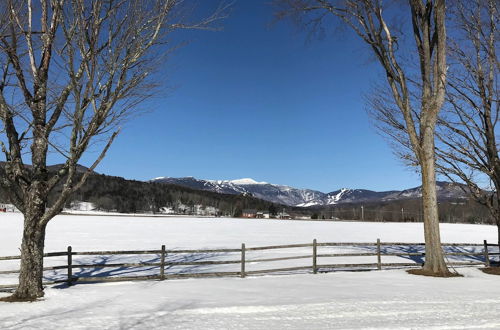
(307,197)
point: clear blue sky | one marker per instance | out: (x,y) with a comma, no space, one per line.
(261,102)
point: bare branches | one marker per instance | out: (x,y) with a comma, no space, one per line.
(75,70)
(467,137)
(70,186)
(367,19)
(468,150)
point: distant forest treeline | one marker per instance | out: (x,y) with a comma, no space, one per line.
(110,193)
(407,210)
(130,196)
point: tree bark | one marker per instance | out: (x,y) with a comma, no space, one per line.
(31,273)
(434,257)
(32,246)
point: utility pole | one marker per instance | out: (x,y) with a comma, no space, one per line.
(362,213)
(402,214)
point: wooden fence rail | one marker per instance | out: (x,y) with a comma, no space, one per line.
(379,250)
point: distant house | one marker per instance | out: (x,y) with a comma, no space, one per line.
(284,215)
(262,215)
(249,213)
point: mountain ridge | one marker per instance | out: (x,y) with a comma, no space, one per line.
(291,196)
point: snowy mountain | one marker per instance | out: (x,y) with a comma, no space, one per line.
(345,195)
(263,190)
(306,197)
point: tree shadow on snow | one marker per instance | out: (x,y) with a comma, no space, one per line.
(122,271)
(159,317)
(416,253)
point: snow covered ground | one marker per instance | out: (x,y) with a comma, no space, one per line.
(383,300)
(342,300)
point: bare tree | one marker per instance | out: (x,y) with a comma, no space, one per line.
(467,147)
(71,71)
(368,19)
(468,140)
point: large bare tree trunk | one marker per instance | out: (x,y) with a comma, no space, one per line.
(31,273)
(434,257)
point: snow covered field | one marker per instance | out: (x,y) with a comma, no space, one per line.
(345,300)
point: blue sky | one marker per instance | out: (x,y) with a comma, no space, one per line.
(261,102)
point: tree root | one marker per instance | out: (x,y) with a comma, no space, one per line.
(423,272)
(491,270)
(14,298)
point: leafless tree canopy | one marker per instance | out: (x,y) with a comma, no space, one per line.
(70,72)
(468,135)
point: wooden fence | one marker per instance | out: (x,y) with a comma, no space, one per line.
(378,249)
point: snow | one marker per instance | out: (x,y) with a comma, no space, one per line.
(388,299)
(136,232)
(375,300)
(307,204)
(231,183)
(334,199)
(246,181)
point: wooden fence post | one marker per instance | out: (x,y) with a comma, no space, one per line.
(162,263)
(242,274)
(379,258)
(315,256)
(70,264)
(486,254)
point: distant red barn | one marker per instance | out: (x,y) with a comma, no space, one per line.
(248,213)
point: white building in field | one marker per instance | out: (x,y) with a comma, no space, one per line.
(205,210)
(263,215)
